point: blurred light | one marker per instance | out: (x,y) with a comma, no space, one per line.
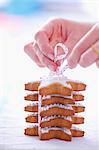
(4,2)
(20,7)
(91,7)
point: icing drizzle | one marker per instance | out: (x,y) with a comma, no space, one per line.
(54,117)
(35,103)
(33,114)
(46,129)
(54,79)
(67,106)
(49,96)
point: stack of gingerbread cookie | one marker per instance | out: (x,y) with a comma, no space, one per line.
(78,97)
(31,108)
(56,110)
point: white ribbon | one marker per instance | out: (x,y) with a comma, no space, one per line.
(65,49)
(60,57)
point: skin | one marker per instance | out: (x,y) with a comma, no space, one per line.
(78,37)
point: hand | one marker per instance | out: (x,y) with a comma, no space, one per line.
(57,30)
(86,51)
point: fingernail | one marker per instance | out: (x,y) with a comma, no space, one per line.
(51,56)
(51,67)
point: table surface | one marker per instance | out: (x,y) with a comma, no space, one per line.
(12,138)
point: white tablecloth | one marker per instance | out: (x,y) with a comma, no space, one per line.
(12,138)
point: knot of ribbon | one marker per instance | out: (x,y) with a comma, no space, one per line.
(57,57)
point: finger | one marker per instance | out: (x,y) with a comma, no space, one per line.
(30,51)
(45,60)
(77,31)
(89,56)
(97,63)
(90,38)
(72,40)
(42,38)
(49,36)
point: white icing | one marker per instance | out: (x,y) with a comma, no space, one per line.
(33,114)
(34,103)
(31,92)
(39,110)
(77,115)
(46,129)
(39,99)
(31,125)
(49,96)
(46,97)
(54,79)
(67,106)
(54,117)
(77,93)
(77,104)
(76,81)
(75,128)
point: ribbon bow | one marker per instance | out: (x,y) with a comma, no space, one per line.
(57,57)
